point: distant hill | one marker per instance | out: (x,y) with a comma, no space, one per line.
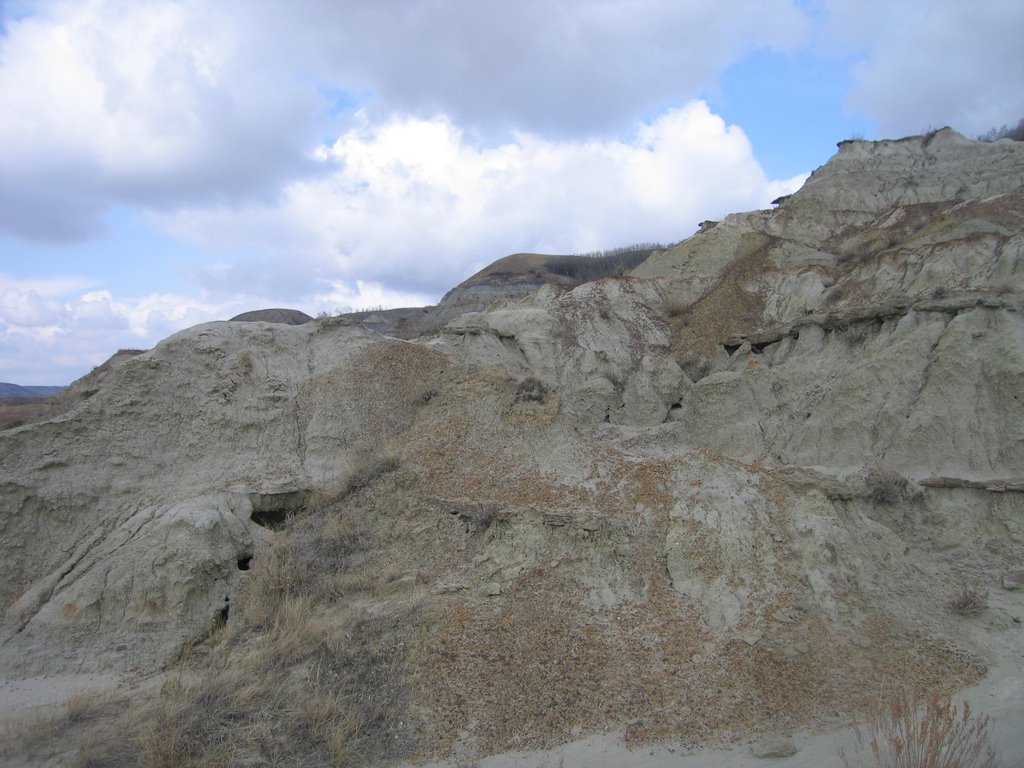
(15,390)
(277,315)
(523,273)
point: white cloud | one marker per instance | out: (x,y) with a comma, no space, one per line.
(402,211)
(52,331)
(164,104)
(145,103)
(338,297)
(943,62)
(415,204)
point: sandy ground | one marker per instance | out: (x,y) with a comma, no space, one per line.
(28,697)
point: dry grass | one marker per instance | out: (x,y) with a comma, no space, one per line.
(295,695)
(367,468)
(295,677)
(916,731)
(16,411)
(312,556)
(43,737)
(885,486)
(969,601)
(676,308)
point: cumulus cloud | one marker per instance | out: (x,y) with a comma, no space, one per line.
(416,204)
(336,155)
(165,104)
(52,331)
(150,104)
(943,62)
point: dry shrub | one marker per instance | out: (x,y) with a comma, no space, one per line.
(885,486)
(343,585)
(284,698)
(366,468)
(293,678)
(295,633)
(969,601)
(916,731)
(304,557)
(426,395)
(84,705)
(42,737)
(278,571)
(27,736)
(677,308)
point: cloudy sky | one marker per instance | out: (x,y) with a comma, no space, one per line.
(168,162)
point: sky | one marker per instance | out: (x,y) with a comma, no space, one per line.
(169,162)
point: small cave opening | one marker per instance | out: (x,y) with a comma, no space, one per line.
(271,510)
(730,349)
(244,562)
(222,614)
(273,519)
(758,349)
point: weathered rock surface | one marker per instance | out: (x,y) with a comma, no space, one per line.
(730,492)
(773,747)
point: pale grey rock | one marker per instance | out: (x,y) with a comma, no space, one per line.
(773,747)
(724,520)
(1013,581)
(159,577)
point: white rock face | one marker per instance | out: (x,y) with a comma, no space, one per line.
(127,519)
(872,321)
(156,580)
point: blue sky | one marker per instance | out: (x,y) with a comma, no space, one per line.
(164,163)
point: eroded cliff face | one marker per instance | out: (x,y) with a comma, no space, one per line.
(732,491)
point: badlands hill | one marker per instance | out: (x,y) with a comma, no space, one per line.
(766,478)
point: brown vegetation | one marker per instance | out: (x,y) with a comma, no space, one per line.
(16,411)
(922,731)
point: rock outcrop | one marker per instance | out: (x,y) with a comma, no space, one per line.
(731,491)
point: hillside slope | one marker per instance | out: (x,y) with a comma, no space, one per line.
(732,493)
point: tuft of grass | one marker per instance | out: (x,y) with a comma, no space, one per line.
(276,574)
(969,601)
(366,468)
(916,731)
(676,308)
(885,486)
